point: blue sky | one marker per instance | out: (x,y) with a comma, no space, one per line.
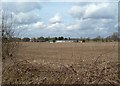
(53,8)
(68,19)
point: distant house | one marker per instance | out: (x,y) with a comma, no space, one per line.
(58,41)
(50,41)
(81,41)
(61,41)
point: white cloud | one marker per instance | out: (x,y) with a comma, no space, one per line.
(23,12)
(88,18)
(90,26)
(74,26)
(91,9)
(56,19)
(94,10)
(20,6)
(27,18)
(102,10)
(60,26)
(28,29)
(39,25)
(93,18)
(77,11)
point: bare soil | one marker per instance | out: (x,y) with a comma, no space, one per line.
(63,63)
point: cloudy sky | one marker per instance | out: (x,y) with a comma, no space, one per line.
(68,19)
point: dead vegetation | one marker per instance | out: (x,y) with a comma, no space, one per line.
(57,70)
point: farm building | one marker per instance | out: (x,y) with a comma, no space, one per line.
(63,41)
(59,41)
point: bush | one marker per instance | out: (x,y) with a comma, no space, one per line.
(26,39)
(54,41)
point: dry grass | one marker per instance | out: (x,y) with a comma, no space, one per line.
(63,63)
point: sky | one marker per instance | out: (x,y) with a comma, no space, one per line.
(68,19)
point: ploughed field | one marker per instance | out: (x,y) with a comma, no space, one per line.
(69,53)
(65,63)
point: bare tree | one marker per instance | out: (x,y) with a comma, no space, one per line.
(9,45)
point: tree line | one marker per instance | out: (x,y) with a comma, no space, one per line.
(113,37)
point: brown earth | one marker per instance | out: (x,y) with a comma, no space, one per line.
(61,63)
(68,53)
